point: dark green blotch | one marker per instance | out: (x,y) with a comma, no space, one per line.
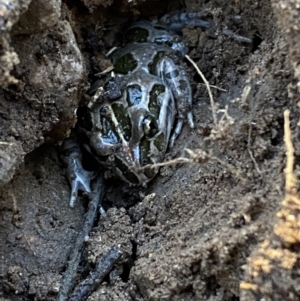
(154,105)
(137,34)
(130,176)
(183,85)
(159,142)
(123,118)
(125,64)
(152,65)
(149,172)
(144,151)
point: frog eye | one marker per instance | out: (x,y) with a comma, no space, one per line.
(159,27)
(150,126)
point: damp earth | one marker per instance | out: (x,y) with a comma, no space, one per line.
(203,230)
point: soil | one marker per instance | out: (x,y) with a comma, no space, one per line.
(206,230)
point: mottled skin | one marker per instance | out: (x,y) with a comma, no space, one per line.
(136,127)
(150,99)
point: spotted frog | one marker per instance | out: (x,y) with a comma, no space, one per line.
(134,130)
(141,110)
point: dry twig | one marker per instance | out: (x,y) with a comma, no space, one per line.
(249,150)
(199,156)
(212,102)
(69,276)
(214,87)
(221,126)
(90,284)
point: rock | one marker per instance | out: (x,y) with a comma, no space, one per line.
(10,158)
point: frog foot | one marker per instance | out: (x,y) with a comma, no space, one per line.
(79,178)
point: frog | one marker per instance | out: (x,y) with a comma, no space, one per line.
(140,111)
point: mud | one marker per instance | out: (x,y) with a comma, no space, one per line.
(199,231)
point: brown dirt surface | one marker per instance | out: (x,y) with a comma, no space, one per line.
(224,227)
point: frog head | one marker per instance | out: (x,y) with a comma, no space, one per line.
(132,133)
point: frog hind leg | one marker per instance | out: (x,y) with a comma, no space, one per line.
(175,77)
(177,21)
(79,178)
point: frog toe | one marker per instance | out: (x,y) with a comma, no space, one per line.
(81,182)
(176,132)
